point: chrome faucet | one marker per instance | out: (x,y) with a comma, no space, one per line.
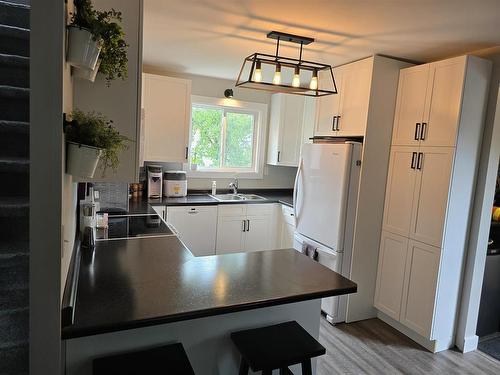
(234,185)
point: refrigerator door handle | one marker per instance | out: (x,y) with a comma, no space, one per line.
(295,192)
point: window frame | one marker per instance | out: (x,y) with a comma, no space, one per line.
(259,110)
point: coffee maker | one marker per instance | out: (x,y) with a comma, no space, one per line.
(155,181)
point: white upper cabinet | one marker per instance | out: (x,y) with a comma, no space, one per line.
(410,105)
(345,114)
(167,115)
(285,129)
(443,107)
(429,103)
(328,106)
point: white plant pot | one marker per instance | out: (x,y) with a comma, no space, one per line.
(84,73)
(81,160)
(83,51)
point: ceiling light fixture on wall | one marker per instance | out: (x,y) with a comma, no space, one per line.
(284,68)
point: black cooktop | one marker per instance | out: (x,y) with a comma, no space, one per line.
(130,226)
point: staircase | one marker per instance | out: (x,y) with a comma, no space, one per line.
(14,187)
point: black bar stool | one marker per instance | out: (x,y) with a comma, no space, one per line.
(169,359)
(276,347)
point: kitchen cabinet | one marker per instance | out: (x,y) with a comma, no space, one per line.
(419,291)
(196,227)
(287,227)
(391,268)
(346,113)
(437,131)
(399,191)
(166,118)
(428,106)
(433,170)
(245,228)
(285,129)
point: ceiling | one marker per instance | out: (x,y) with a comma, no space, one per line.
(211,37)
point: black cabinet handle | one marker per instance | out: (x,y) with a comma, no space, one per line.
(187,152)
(338,122)
(279,153)
(248,225)
(419,160)
(417,131)
(413,156)
(244,225)
(333,122)
(423,133)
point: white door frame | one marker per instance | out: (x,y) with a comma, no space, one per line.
(466,338)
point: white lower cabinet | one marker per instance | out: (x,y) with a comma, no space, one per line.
(246,227)
(391,271)
(287,227)
(406,286)
(196,226)
(419,291)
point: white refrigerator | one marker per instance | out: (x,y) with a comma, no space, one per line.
(325,200)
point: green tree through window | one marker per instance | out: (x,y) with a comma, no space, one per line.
(222,138)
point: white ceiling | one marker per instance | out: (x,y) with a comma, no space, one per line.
(211,37)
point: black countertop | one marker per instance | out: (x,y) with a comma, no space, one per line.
(140,282)
(141,205)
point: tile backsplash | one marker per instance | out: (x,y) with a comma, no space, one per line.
(112,195)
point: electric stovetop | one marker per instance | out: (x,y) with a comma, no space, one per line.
(133,226)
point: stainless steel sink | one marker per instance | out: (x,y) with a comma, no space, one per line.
(237,197)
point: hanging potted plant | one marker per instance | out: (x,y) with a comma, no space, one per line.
(113,59)
(84,44)
(91,138)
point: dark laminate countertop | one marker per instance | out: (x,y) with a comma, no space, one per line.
(141,205)
(140,282)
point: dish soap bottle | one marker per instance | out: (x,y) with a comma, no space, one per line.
(214,187)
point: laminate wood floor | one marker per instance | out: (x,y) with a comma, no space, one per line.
(373,347)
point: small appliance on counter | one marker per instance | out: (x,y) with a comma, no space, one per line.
(175,184)
(154,181)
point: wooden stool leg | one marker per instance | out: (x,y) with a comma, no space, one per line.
(243,367)
(306,367)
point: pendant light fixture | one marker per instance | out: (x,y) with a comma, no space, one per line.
(292,76)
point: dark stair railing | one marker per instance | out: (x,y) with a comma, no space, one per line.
(14,187)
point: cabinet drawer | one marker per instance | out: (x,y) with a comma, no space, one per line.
(232,210)
(260,209)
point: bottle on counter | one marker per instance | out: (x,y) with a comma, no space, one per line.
(214,187)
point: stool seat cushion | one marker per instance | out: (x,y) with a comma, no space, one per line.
(276,346)
(169,359)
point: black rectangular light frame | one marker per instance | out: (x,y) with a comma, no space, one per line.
(287,62)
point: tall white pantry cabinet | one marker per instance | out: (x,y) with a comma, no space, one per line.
(432,171)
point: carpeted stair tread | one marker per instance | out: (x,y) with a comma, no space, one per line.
(14,165)
(14,207)
(12,92)
(14,273)
(14,40)
(13,14)
(20,127)
(14,70)
(14,246)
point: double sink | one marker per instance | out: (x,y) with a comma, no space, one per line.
(237,197)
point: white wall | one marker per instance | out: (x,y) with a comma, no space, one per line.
(274,177)
(120,101)
(466,338)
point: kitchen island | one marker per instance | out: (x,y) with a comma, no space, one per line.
(143,292)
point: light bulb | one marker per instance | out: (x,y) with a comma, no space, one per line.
(313,85)
(277,75)
(257,75)
(296,77)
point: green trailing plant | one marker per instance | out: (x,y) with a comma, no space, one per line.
(96,130)
(106,28)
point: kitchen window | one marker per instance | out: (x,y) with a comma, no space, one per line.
(226,138)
